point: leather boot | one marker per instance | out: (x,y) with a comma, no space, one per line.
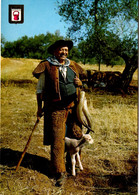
(60,178)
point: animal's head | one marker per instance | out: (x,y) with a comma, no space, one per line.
(88,138)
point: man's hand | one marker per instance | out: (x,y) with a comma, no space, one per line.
(39,113)
(77,82)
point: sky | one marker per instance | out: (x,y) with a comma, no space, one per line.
(40,17)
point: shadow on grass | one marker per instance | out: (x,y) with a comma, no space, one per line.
(109,184)
(11,158)
(19,81)
(100,184)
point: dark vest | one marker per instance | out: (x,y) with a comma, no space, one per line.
(67,87)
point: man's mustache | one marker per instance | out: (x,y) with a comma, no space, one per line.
(63,54)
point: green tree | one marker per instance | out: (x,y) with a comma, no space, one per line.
(85,51)
(108,26)
(30,47)
(74,54)
(127,49)
(3,40)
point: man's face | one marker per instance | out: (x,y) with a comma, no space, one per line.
(61,53)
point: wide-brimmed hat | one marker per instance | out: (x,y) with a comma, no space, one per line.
(60,43)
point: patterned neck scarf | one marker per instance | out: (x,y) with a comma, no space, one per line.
(62,68)
(55,62)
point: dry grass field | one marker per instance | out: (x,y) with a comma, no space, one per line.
(110,164)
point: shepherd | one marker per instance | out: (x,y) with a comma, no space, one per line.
(57,89)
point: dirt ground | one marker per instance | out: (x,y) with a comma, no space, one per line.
(34,177)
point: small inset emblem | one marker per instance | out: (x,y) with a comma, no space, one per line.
(16,14)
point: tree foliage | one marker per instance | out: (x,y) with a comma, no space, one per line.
(89,16)
(108,29)
(30,47)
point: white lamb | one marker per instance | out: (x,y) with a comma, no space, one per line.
(73,146)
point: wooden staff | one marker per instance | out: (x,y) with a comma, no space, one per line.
(27,144)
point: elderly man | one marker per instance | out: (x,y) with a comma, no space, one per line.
(58,82)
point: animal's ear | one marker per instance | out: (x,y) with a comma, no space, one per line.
(91,141)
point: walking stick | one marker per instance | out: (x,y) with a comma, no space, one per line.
(27,144)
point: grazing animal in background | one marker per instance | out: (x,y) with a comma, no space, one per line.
(73,146)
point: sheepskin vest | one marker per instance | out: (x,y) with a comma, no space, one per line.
(52,76)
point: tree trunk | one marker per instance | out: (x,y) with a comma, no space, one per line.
(127,76)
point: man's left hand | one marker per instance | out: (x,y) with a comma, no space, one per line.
(77,82)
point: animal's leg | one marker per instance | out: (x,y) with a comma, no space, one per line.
(79,160)
(68,162)
(73,161)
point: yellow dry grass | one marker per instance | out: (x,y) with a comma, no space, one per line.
(113,154)
(11,68)
(18,69)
